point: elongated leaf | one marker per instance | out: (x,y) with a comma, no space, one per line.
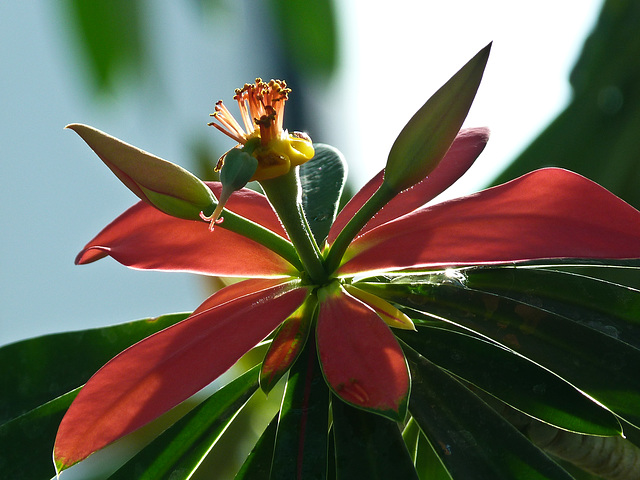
(472,440)
(179,450)
(599,365)
(322,179)
(301,443)
(546,214)
(257,466)
(287,344)
(44,368)
(26,442)
(603,306)
(161,371)
(360,358)
(425,139)
(133,240)
(464,150)
(513,379)
(368,446)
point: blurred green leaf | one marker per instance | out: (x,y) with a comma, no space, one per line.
(600,365)
(257,466)
(110,34)
(308,34)
(322,179)
(471,439)
(513,379)
(368,446)
(597,134)
(301,442)
(47,367)
(177,453)
(26,442)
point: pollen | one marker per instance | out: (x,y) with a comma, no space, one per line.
(261,106)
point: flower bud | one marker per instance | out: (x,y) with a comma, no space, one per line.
(424,141)
(164,185)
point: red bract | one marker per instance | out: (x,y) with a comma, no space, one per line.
(550,213)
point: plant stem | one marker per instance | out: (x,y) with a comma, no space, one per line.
(372,206)
(285,195)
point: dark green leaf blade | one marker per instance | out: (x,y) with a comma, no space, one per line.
(257,465)
(301,443)
(368,446)
(607,307)
(111,35)
(322,179)
(472,440)
(47,367)
(513,379)
(177,453)
(600,365)
(26,442)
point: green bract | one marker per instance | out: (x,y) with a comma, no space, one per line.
(426,138)
(166,186)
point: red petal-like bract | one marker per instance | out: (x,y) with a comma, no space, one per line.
(166,368)
(464,150)
(546,214)
(360,357)
(145,238)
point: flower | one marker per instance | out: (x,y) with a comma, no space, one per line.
(549,213)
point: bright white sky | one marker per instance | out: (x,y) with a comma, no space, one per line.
(56,195)
(403,51)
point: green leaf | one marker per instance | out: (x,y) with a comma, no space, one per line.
(111,35)
(428,464)
(322,179)
(471,439)
(426,138)
(513,379)
(600,365)
(301,443)
(177,453)
(368,446)
(609,308)
(47,367)
(257,466)
(308,34)
(26,442)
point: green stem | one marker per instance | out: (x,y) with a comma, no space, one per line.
(372,206)
(263,236)
(284,193)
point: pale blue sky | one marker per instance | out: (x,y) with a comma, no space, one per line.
(56,195)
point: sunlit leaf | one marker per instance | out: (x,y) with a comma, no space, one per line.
(177,453)
(257,465)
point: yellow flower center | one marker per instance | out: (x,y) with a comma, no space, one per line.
(262,111)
